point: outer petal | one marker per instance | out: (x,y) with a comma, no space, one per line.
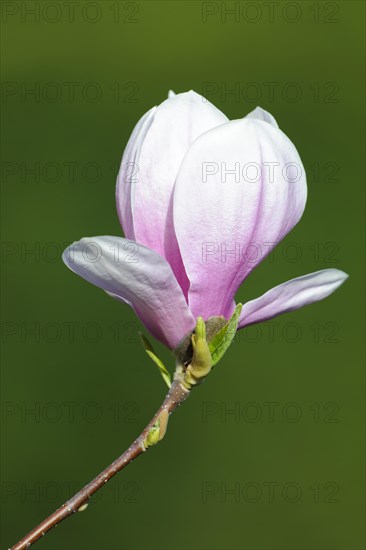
(261,114)
(292,295)
(167,135)
(137,275)
(226,223)
(128,172)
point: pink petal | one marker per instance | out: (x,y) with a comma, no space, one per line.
(157,150)
(128,172)
(292,295)
(227,223)
(139,276)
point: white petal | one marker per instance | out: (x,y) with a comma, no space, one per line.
(234,200)
(167,135)
(136,275)
(261,114)
(177,122)
(128,173)
(292,295)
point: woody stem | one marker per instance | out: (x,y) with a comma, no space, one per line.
(176,395)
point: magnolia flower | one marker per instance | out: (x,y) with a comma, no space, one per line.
(202,200)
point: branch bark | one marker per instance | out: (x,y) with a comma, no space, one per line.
(177,394)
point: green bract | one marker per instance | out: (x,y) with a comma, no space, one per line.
(222,339)
(206,353)
(151,353)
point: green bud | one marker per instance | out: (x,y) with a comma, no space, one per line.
(158,429)
(199,351)
(184,350)
(152,437)
(201,362)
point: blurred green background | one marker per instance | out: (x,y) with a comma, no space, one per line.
(285,470)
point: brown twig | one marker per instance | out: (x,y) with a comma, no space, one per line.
(176,395)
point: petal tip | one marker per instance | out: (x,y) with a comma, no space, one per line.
(261,114)
(342,275)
